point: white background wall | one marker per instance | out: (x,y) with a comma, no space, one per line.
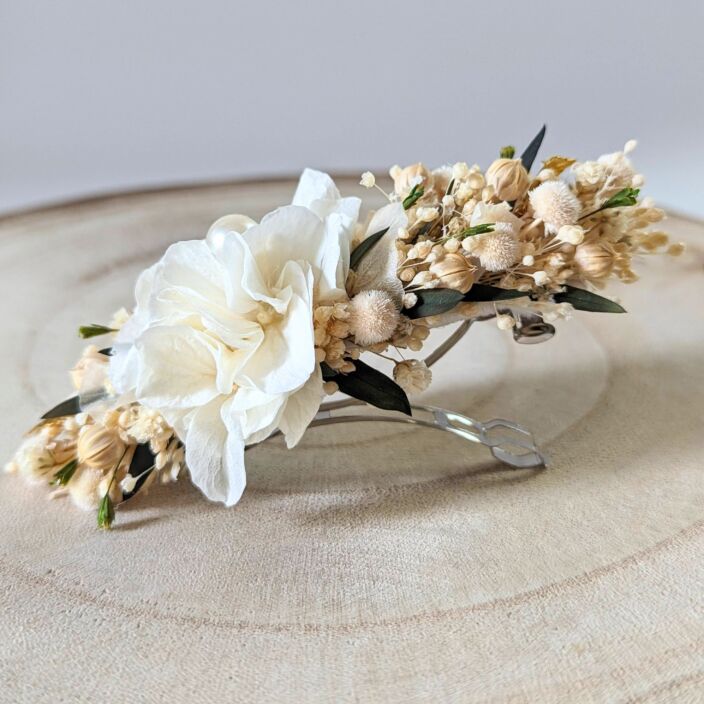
(98,95)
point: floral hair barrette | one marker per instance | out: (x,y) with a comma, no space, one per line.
(238,336)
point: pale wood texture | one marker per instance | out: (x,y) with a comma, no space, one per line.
(370,564)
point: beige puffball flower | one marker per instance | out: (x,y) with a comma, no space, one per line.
(497,251)
(454,271)
(554,203)
(509,178)
(374,317)
(412,375)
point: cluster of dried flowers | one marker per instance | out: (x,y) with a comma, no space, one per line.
(453,243)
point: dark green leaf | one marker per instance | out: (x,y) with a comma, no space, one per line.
(93,330)
(482,292)
(528,156)
(434,301)
(416,193)
(586,300)
(141,466)
(367,384)
(70,407)
(63,476)
(450,186)
(106,512)
(364,247)
(507,152)
(107,351)
(477,230)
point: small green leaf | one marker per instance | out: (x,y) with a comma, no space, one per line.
(434,301)
(416,193)
(450,186)
(477,230)
(528,156)
(586,300)
(364,247)
(70,407)
(626,196)
(63,476)
(106,512)
(482,292)
(107,351)
(507,152)
(370,385)
(93,330)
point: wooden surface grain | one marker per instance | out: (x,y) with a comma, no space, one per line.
(370,564)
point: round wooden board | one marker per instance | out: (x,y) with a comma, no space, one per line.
(370,564)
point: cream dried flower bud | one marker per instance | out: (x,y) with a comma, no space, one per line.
(554,203)
(528,260)
(422,278)
(454,271)
(407,274)
(406,178)
(374,317)
(452,245)
(571,234)
(427,214)
(402,233)
(330,387)
(99,448)
(88,366)
(593,261)
(630,145)
(423,248)
(367,180)
(509,178)
(448,203)
(412,375)
(128,483)
(505,321)
(460,170)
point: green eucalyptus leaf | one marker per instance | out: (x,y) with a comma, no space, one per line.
(528,156)
(69,407)
(371,386)
(625,197)
(586,300)
(416,193)
(364,247)
(434,301)
(482,292)
(93,330)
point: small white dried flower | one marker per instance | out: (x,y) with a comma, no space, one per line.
(367,180)
(571,234)
(402,233)
(630,145)
(505,321)
(409,300)
(412,375)
(541,278)
(128,483)
(554,203)
(448,203)
(528,260)
(374,317)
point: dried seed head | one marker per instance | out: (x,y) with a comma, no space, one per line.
(374,317)
(509,178)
